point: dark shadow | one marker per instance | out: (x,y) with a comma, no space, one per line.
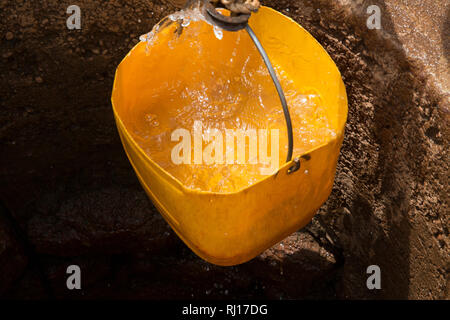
(401,150)
(182,275)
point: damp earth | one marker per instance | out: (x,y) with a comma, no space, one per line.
(69,195)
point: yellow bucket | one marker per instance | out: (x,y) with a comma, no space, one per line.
(232,228)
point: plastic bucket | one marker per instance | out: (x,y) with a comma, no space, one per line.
(232,228)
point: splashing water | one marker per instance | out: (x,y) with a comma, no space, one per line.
(183,18)
(218,78)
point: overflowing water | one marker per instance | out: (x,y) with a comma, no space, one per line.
(182,18)
(200,73)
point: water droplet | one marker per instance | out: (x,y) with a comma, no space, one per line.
(186,22)
(218,32)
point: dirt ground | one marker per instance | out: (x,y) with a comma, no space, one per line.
(69,196)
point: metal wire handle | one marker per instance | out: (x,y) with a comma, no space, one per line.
(280,91)
(239,22)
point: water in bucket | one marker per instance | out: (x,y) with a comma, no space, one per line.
(210,88)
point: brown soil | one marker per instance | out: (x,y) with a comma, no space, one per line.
(69,196)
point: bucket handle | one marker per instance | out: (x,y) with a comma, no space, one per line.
(238,22)
(280,91)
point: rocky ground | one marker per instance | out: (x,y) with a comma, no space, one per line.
(69,196)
